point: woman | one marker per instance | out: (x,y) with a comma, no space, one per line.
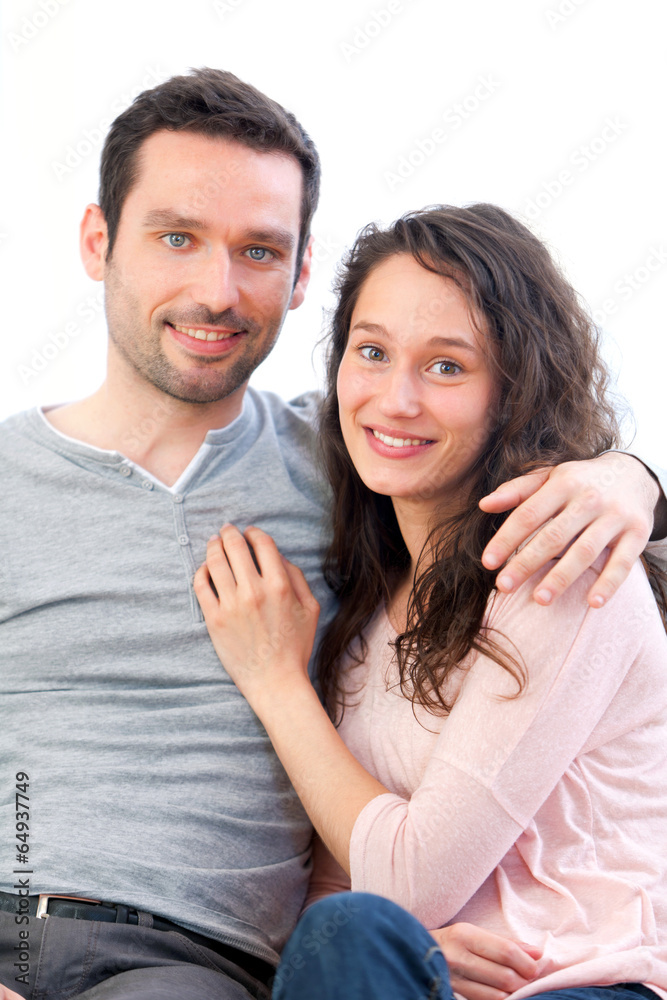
(498,763)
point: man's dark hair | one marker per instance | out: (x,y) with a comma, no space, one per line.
(209,102)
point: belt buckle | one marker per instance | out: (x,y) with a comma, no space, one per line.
(43,902)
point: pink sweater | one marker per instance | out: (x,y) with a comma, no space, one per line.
(543,817)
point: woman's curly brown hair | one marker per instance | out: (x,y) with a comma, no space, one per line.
(553,407)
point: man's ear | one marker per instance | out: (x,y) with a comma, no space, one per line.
(93,242)
(304,276)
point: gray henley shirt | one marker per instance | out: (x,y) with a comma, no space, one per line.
(152,783)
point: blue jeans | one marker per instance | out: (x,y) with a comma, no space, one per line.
(355,946)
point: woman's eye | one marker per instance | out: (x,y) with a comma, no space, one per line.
(446,368)
(373,353)
(259,253)
(176,240)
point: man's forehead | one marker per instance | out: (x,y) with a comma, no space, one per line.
(182,152)
(201,172)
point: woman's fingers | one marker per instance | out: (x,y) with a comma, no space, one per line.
(483,965)
(234,550)
(301,589)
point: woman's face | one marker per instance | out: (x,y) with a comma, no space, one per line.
(416,394)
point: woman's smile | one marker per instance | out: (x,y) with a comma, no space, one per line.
(415,390)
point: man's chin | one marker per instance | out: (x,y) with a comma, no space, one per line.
(201,386)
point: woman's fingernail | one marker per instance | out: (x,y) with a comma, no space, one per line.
(544,596)
(505,582)
(597,601)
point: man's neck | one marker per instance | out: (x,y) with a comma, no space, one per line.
(159,433)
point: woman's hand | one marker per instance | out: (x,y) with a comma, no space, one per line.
(7,994)
(262,619)
(262,624)
(485,966)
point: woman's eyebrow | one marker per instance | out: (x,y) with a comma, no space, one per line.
(436,341)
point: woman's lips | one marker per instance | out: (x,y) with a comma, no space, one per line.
(393,446)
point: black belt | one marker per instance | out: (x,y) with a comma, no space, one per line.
(78,908)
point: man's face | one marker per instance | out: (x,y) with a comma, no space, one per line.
(202,271)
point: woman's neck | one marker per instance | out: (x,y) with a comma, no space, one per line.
(414,521)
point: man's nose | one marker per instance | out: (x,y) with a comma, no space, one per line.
(215,285)
(400,394)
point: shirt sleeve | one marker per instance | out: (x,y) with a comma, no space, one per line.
(498,757)
(658,550)
(327,876)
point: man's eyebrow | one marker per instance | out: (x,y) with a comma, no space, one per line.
(431,342)
(282,239)
(278,237)
(171,220)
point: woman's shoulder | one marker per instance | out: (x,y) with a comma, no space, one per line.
(631,615)
(634,590)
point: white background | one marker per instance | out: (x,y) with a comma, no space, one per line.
(521,90)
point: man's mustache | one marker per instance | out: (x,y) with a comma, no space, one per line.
(229,319)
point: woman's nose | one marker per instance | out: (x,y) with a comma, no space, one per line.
(399,394)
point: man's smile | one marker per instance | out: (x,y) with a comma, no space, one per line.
(205,341)
(202,334)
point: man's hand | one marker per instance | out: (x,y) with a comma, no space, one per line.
(606,502)
(485,966)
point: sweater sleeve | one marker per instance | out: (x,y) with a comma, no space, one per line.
(499,757)
(327,876)
(658,550)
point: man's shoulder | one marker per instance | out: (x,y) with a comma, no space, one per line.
(294,420)
(16,428)
(303,407)
(291,430)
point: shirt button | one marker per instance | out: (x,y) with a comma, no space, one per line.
(147,484)
(178,498)
(183,540)
(125,470)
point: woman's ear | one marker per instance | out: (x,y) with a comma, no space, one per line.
(93,242)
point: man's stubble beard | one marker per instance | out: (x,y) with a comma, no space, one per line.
(202,383)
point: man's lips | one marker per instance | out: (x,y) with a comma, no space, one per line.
(204,333)
(205,340)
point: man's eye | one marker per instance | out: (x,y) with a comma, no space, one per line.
(259,253)
(373,353)
(176,240)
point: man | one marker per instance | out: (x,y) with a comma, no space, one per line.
(135,773)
